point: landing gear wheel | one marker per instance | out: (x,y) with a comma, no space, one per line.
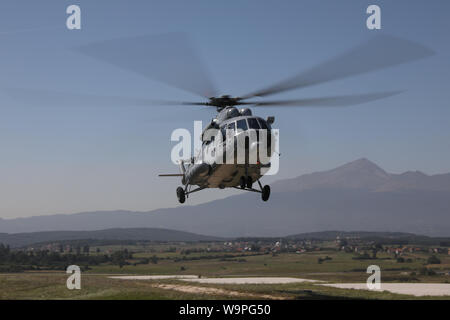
(242,183)
(265,193)
(249,182)
(181,195)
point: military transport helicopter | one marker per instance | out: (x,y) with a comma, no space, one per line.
(215,171)
(171,59)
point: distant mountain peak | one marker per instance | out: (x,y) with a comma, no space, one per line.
(365,174)
(358,174)
(363,164)
(362,160)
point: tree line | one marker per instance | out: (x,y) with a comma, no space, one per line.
(19,260)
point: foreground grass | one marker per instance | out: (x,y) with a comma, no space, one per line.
(53,286)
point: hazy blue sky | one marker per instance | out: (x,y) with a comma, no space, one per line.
(64,160)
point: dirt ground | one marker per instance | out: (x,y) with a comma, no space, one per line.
(214,291)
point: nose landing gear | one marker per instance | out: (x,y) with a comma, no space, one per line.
(246,182)
(249,182)
(242,182)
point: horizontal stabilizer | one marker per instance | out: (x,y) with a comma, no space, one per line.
(170,175)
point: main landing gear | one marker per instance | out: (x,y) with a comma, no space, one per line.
(246,183)
(183,193)
(265,193)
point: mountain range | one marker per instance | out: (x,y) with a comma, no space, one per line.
(355,196)
(131,234)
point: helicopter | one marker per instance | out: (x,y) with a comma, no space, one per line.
(233,133)
(171,59)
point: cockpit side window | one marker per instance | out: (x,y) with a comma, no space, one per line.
(231,126)
(253,123)
(241,124)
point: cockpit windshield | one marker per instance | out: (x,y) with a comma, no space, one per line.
(241,124)
(263,124)
(253,123)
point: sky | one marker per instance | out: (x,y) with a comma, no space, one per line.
(59,159)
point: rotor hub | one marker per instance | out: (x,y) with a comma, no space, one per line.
(224,101)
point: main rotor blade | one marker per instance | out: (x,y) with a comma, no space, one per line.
(380,52)
(69,99)
(336,101)
(168,58)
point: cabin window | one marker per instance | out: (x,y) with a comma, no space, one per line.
(241,124)
(253,123)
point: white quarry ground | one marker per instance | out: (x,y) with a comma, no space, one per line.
(250,280)
(415,289)
(161,277)
(192,278)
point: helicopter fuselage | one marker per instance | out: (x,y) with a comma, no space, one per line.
(219,164)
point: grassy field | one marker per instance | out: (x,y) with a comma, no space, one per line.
(99,287)
(341,268)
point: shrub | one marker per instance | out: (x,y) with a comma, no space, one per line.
(433,260)
(426,272)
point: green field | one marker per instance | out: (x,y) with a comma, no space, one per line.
(340,268)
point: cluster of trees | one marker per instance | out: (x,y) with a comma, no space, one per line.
(425,272)
(19,260)
(433,260)
(403,260)
(120,257)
